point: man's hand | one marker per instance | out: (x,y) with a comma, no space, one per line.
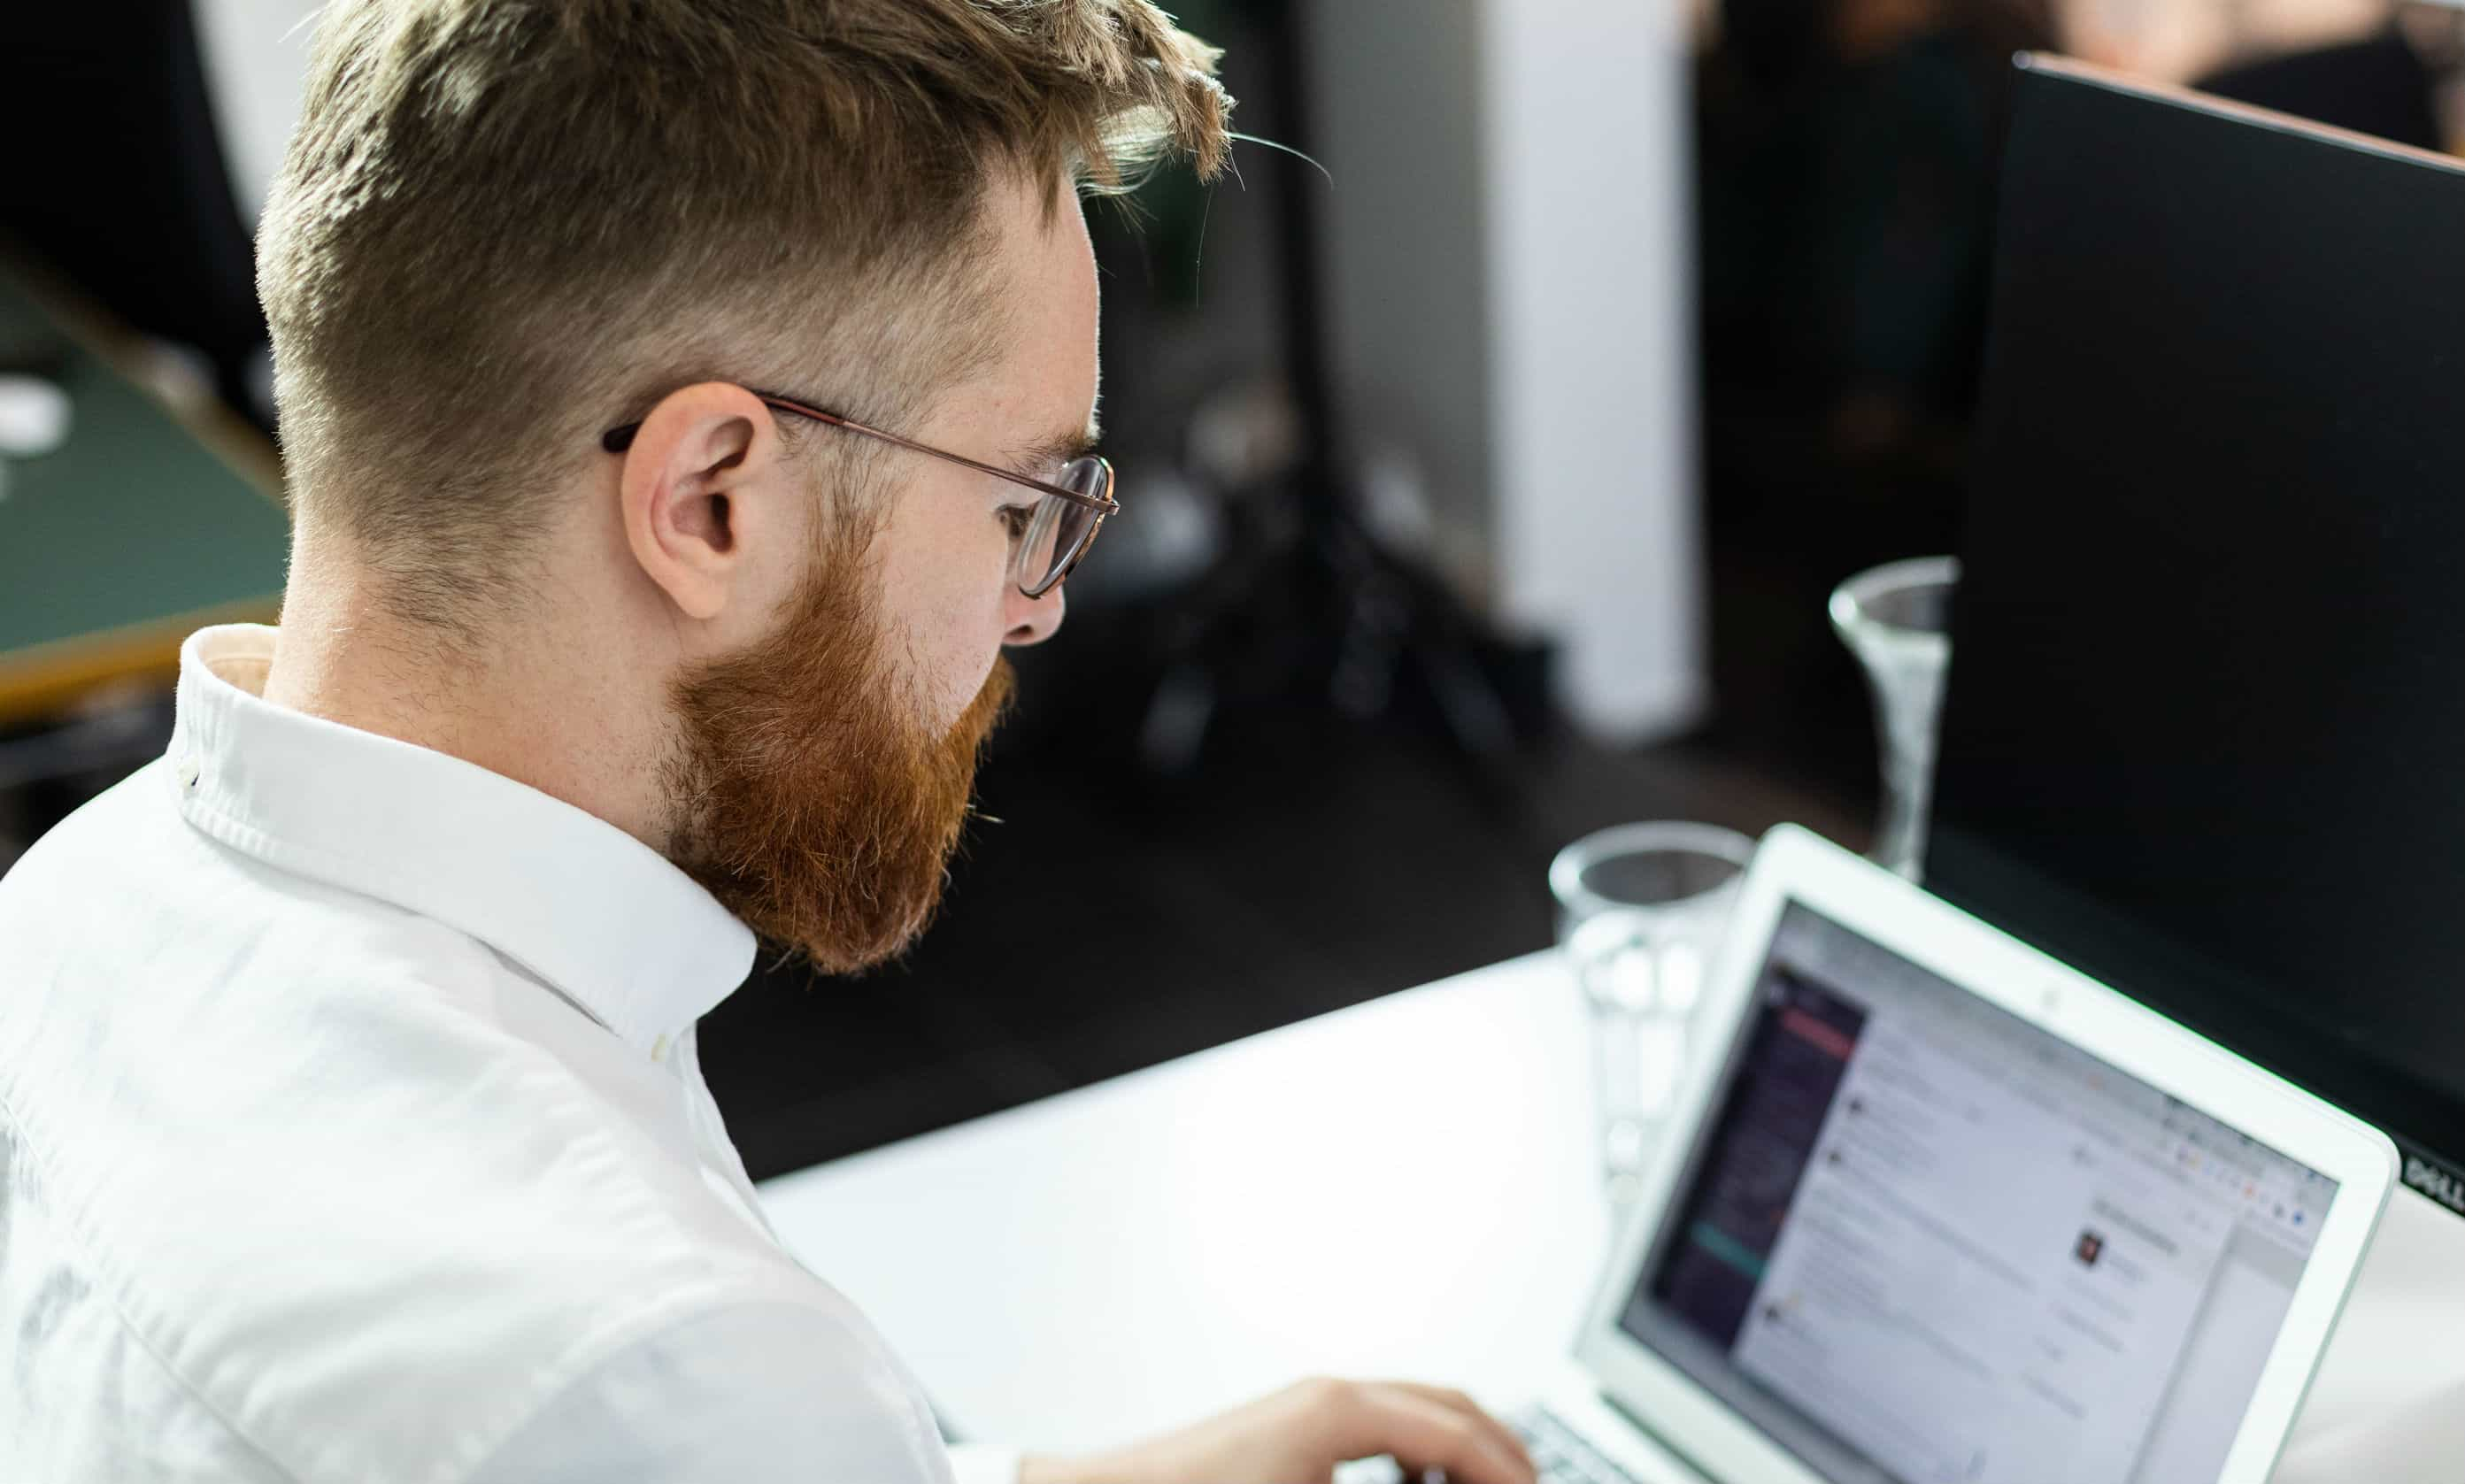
(1299,1434)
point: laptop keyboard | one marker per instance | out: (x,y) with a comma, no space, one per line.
(1560,1456)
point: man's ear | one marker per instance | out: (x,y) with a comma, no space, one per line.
(682,488)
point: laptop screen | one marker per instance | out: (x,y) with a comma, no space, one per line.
(1925,1241)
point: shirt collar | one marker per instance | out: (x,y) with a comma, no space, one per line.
(601,916)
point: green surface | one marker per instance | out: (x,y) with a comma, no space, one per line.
(132,521)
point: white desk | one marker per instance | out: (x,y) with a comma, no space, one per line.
(1407,1189)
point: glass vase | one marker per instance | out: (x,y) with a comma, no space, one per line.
(1896,619)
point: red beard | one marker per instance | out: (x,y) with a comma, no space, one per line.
(814,805)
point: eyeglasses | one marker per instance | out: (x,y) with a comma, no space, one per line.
(1058,531)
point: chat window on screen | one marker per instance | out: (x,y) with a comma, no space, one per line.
(1931,1243)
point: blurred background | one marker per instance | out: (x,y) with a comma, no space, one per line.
(1487,454)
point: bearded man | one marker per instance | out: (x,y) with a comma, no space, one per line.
(684,402)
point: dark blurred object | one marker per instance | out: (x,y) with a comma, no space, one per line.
(1323,617)
(1846,176)
(2209,653)
(117,177)
(1846,186)
(2381,85)
(1276,606)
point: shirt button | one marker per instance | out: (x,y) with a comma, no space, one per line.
(189,772)
(659,1049)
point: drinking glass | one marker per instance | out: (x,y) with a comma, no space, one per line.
(1641,909)
(1896,619)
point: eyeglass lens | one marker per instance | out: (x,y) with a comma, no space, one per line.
(1061,529)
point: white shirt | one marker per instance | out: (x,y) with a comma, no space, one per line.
(351,1129)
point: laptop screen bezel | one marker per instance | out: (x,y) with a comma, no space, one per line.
(1794,866)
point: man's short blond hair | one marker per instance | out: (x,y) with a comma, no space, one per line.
(505,225)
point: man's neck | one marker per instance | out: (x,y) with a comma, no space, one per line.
(506,705)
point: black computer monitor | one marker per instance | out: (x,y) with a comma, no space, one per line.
(2205,729)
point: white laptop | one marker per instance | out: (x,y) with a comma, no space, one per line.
(1936,1210)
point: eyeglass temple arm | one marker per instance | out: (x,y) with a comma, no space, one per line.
(616,440)
(1092,502)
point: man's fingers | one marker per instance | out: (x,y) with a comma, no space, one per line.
(1448,1397)
(1424,1435)
(1463,1441)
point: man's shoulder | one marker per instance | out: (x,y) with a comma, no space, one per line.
(125,884)
(378,1230)
(125,869)
(97,832)
(327,1158)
